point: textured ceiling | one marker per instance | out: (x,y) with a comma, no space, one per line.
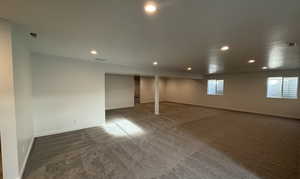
(183,32)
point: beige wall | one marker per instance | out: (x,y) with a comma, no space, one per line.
(243,92)
(147,89)
(119,91)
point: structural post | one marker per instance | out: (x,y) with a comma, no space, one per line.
(156,94)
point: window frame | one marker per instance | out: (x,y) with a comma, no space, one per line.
(282,87)
(216,87)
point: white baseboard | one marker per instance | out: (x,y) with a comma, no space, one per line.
(59,131)
(152,101)
(26,158)
(119,107)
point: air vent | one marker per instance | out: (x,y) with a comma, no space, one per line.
(100,59)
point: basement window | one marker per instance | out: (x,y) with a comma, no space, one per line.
(282,87)
(215,87)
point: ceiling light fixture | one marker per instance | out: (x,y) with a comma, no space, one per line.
(189,68)
(251,61)
(155,63)
(225,48)
(150,7)
(264,68)
(94,52)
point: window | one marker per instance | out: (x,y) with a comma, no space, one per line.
(215,87)
(282,87)
(274,87)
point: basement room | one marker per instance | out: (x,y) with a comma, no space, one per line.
(150,89)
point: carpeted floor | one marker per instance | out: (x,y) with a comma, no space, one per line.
(184,142)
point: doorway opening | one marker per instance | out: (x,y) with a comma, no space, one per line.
(137,98)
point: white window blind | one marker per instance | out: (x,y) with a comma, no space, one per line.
(290,87)
(215,87)
(220,87)
(282,87)
(274,87)
(211,87)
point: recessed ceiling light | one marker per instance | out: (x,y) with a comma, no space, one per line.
(189,68)
(94,52)
(155,63)
(225,48)
(264,68)
(251,61)
(150,7)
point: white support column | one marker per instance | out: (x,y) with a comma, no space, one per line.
(156,93)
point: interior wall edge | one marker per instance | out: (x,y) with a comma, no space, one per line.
(7,104)
(23,93)
(27,157)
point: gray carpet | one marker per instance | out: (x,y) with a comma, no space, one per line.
(184,142)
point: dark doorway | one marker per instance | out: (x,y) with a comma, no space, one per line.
(136,89)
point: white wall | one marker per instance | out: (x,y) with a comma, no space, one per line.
(7,105)
(243,92)
(23,95)
(67,95)
(119,91)
(147,89)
